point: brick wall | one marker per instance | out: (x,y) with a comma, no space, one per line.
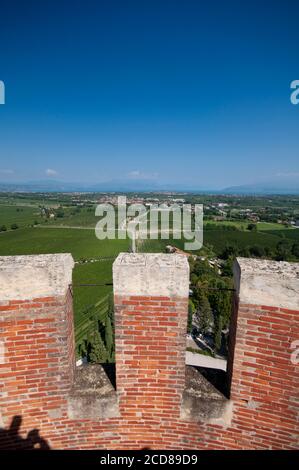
(150,354)
(264,384)
(37,359)
(37,366)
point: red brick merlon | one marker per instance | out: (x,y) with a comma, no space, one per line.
(150,298)
(262,366)
(36,334)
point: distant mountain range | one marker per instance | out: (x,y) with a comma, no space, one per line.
(61,186)
(275,186)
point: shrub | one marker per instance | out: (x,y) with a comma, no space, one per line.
(257,250)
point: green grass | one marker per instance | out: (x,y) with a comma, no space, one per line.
(243,224)
(84,218)
(219,239)
(157,246)
(25,214)
(20,215)
(292,235)
(90,303)
(77,217)
(239,224)
(81,243)
(263,226)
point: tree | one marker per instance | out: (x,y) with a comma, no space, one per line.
(110,330)
(229,250)
(218,333)
(202,267)
(295,250)
(14,226)
(193,279)
(268,252)
(191,310)
(60,213)
(257,251)
(252,227)
(204,314)
(212,297)
(97,352)
(245,252)
(283,250)
(3,228)
(221,300)
(227,268)
(109,338)
(83,348)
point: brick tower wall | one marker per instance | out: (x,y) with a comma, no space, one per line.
(151,301)
(37,359)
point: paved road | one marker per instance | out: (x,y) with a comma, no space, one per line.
(199,360)
(196,359)
(64,226)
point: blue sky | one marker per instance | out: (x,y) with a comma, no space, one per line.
(175,91)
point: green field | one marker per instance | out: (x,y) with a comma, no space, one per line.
(239,224)
(221,238)
(157,246)
(26,214)
(20,215)
(90,302)
(243,224)
(81,243)
(292,235)
(261,226)
(75,217)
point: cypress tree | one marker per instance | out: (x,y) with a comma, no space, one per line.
(108,338)
(218,333)
(98,353)
(204,314)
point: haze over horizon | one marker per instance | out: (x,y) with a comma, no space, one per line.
(163,92)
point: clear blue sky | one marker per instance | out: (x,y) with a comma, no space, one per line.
(195,92)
